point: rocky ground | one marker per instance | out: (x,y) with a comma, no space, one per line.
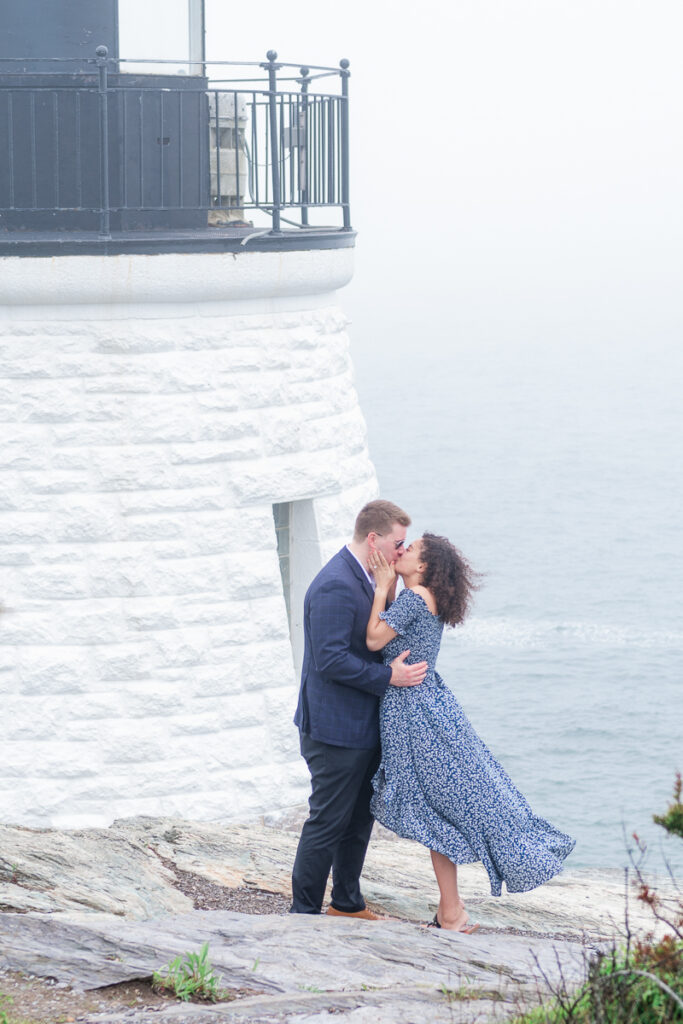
(88,915)
(46,1001)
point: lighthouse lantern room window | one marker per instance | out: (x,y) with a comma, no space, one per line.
(175,30)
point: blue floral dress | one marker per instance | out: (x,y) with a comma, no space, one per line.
(439,784)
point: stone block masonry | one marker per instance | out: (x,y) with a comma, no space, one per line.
(153,409)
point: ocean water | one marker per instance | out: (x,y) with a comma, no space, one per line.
(557,469)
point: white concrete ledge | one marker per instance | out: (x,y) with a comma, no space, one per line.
(183,277)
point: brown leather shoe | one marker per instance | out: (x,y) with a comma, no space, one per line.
(364,915)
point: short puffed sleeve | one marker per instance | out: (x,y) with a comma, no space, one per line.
(403,611)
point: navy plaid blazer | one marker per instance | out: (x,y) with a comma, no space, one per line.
(341,680)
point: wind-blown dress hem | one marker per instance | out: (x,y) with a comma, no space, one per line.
(439,784)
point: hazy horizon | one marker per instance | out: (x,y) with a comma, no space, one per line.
(516,333)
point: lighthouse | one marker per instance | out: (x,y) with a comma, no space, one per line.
(181,443)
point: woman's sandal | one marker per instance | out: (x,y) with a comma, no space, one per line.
(469,930)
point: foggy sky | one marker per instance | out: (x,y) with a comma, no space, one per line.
(513,163)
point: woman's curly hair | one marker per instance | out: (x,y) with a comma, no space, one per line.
(449,576)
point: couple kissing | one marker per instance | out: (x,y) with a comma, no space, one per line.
(385,739)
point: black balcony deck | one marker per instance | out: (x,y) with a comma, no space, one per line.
(153,242)
(104,161)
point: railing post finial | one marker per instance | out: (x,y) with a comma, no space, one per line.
(303,144)
(272,68)
(345,74)
(101,53)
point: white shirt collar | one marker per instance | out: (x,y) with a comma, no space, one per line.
(367,574)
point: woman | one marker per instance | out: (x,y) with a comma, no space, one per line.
(437,782)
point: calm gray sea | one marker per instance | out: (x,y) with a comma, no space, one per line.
(557,469)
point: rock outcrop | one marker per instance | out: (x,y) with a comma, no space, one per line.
(95,907)
(127,870)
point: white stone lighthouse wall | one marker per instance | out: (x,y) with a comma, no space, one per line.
(152,411)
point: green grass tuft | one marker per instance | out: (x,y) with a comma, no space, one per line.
(190,976)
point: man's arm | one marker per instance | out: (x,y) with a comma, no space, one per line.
(331,619)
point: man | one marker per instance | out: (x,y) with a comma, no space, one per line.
(338,715)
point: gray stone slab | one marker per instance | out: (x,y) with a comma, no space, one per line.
(300,966)
(107,870)
(401,1006)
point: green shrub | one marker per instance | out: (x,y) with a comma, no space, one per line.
(6,1000)
(672,821)
(623,988)
(641,983)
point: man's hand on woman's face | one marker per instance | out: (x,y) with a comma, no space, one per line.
(383,573)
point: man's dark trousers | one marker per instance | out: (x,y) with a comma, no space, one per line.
(337,832)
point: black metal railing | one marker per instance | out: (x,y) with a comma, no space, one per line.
(108,150)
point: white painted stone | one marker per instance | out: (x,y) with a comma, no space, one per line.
(154,408)
(14,556)
(152,528)
(53,583)
(22,529)
(122,662)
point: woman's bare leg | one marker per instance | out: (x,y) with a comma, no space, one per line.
(451,913)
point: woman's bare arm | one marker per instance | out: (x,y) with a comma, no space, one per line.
(378,633)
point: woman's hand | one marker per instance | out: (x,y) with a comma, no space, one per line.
(378,632)
(384,574)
